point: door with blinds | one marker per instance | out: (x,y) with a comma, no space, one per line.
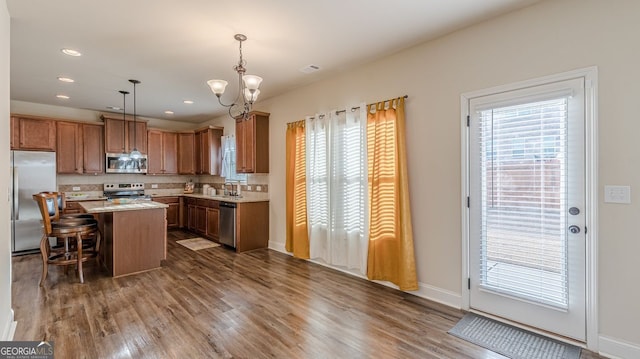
(527,206)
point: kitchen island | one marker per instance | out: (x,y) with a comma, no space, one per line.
(134,234)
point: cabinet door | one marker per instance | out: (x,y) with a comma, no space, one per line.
(213,220)
(137,136)
(154,157)
(186,154)
(114,136)
(191,217)
(93,158)
(201,220)
(15,133)
(173,212)
(240,145)
(198,149)
(170,153)
(69,148)
(205,148)
(37,134)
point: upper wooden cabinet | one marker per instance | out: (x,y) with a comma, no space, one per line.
(79,148)
(119,136)
(162,152)
(208,150)
(93,158)
(114,135)
(252,143)
(69,156)
(186,153)
(15,133)
(33,133)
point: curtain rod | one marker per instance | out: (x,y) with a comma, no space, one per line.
(354,108)
(357,107)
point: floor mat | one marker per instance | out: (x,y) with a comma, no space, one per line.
(196,244)
(510,341)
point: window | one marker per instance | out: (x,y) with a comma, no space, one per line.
(337,186)
(229,160)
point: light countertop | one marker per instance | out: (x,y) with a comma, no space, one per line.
(261,197)
(107,206)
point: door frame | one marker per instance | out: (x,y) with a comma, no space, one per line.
(590,74)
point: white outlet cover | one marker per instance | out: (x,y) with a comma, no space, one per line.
(76,188)
(258,188)
(617,194)
(154,186)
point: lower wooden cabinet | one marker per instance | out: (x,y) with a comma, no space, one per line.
(202,216)
(173,212)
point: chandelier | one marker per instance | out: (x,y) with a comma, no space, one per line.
(247,87)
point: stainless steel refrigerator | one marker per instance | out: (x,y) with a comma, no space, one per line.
(32,172)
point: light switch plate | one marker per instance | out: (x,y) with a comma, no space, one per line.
(76,188)
(617,194)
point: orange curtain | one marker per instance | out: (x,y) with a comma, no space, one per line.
(391,257)
(297,233)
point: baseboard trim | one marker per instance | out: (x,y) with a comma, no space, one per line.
(9,330)
(617,348)
(425,291)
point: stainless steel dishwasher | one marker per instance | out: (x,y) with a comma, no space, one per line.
(228,224)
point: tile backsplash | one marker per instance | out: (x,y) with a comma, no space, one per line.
(164,184)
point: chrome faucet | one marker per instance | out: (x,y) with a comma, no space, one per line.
(231,192)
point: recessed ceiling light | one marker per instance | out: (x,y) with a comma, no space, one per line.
(66,79)
(169,112)
(188,102)
(71,52)
(64,97)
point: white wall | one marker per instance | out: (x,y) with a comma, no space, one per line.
(547,38)
(6,313)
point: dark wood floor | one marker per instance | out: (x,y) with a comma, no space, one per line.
(215,303)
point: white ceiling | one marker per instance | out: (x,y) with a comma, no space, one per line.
(174,47)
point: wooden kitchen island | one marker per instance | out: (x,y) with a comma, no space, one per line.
(134,234)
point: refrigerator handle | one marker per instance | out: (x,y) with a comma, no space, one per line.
(16,197)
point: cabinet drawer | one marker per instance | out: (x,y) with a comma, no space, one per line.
(202,202)
(72,205)
(167,200)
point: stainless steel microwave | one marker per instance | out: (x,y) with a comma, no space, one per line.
(122,163)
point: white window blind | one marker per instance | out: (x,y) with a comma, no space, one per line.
(523,192)
(337,187)
(228,168)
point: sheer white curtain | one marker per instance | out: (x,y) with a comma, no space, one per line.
(337,187)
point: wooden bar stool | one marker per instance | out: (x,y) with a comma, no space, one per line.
(90,242)
(70,230)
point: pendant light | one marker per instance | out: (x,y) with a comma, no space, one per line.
(124,156)
(135,154)
(248,87)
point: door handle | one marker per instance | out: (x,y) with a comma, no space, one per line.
(16,195)
(574,229)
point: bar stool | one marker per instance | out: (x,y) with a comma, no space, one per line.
(88,242)
(70,230)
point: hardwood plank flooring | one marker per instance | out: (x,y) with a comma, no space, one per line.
(214,303)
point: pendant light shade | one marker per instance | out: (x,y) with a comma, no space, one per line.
(135,154)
